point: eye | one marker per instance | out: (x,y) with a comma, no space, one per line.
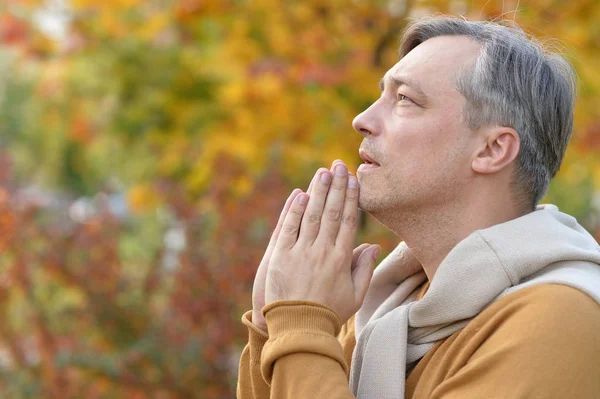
(403,98)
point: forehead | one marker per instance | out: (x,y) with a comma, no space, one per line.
(436,63)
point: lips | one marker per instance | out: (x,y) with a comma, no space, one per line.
(368,159)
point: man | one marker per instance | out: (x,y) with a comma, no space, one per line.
(488,295)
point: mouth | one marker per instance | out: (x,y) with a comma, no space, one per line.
(364,167)
(369,163)
(367,159)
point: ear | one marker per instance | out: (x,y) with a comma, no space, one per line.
(498,149)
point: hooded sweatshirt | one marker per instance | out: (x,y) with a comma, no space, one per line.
(522,295)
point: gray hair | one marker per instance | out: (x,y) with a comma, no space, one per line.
(515,82)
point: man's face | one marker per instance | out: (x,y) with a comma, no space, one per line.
(415,131)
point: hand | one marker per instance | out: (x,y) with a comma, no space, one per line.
(258,289)
(313,256)
(358,250)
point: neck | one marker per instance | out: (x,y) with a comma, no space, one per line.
(431,233)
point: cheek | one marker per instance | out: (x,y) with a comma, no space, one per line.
(411,151)
(421,162)
(424,143)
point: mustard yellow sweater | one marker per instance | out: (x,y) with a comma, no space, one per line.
(540,342)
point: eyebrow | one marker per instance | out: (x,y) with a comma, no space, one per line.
(401,81)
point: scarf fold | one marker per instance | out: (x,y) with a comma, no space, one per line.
(394,331)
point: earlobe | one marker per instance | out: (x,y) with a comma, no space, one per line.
(480,165)
(500,148)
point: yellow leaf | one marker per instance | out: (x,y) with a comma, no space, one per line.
(142,198)
(242,186)
(155,25)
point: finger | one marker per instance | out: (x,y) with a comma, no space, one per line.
(361,276)
(262,267)
(349,222)
(334,205)
(332,170)
(284,212)
(291,224)
(356,254)
(312,218)
(333,165)
(310,186)
(314,180)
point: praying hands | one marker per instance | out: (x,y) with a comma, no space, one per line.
(310,255)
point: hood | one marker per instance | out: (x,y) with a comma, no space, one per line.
(544,242)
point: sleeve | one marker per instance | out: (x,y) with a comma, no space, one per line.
(302,357)
(546,344)
(251,384)
(347,339)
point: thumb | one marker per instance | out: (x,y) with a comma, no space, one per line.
(361,275)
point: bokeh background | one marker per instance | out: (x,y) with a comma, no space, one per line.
(146,150)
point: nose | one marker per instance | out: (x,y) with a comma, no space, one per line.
(366,123)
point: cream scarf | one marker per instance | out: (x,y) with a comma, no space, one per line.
(393,331)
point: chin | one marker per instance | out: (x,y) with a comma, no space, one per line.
(369,205)
(384,204)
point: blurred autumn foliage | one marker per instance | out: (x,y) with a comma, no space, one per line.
(147,148)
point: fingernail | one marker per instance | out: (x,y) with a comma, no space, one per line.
(376,252)
(303,199)
(352,182)
(325,177)
(341,170)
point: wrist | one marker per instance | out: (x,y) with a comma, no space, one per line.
(293,315)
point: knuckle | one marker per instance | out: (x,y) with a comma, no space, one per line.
(350,220)
(313,218)
(297,211)
(290,230)
(351,195)
(339,184)
(333,215)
